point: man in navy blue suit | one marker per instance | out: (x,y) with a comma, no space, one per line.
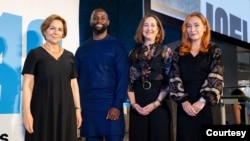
(102,64)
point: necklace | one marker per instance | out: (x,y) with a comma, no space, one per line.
(50,50)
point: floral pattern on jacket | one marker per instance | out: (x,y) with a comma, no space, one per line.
(154,65)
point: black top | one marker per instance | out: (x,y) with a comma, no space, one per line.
(197,76)
(152,67)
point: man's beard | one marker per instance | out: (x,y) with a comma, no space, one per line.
(99,31)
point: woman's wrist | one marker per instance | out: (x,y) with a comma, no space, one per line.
(157,103)
(133,105)
(26,109)
(202,100)
(78,108)
(158,100)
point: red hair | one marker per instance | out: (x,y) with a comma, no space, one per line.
(186,42)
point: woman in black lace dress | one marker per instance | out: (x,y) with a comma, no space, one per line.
(196,78)
(150,62)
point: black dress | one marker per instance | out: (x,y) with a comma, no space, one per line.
(52,104)
(191,78)
(156,125)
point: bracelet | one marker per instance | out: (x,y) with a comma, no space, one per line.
(26,109)
(158,100)
(132,104)
(154,104)
(202,100)
(78,108)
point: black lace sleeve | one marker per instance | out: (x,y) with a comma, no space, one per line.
(131,57)
(213,85)
(175,82)
(167,55)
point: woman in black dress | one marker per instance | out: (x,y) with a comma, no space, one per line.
(149,118)
(51,104)
(196,78)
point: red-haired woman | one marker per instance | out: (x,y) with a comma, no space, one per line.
(196,78)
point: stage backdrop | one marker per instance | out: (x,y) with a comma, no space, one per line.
(20,22)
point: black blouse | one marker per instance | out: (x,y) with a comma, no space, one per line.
(192,77)
(151,67)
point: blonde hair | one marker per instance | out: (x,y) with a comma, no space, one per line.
(46,23)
